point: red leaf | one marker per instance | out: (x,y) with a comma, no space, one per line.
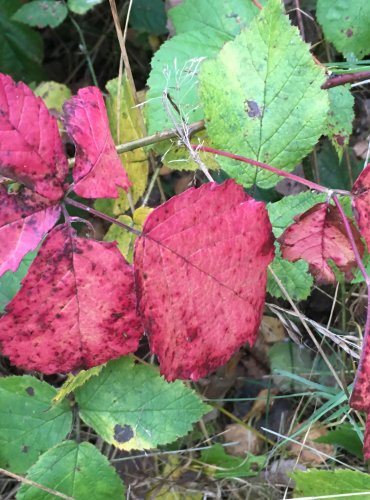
(25,217)
(98,170)
(360,397)
(31,150)
(361,203)
(317,236)
(76,307)
(200,270)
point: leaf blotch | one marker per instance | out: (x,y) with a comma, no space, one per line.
(30,391)
(252,109)
(122,434)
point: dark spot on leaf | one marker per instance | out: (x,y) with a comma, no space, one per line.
(123,434)
(252,109)
(339,139)
(349,33)
(30,391)
(24,449)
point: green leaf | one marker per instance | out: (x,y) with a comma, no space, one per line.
(262,98)
(282,212)
(149,16)
(10,282)
(338,482)
(175,65)
(126,127)
(77,470)
(294,276)
(74,381)
(42,13)
(82,6)
(228,16)
(132,407)
(54,94)
(346,25)
(229,466)
(28,423)
(21,48)
(345,436)
(334,173)
(340,117)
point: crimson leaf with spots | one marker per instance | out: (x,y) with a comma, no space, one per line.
(98,170)
(318,236)
(361,203)
(76,307)
(31,150)
(200,269)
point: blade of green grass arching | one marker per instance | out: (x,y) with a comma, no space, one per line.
(324,390)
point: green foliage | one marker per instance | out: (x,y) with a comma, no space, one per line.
(126,125)
(262,98)
(338,482)
(346,25)
(54,94)
(334,173)
(282,212)
(229,16)
(77,470)
(345,436)
(82,6)
(75,381)
(340,117)
(42,13)
(21,48)
(10,282)
(294,276)
(132,407)
(175,65)
(28,424)
(149,16)
(228,466)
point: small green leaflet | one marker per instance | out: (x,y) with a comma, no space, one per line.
(132,407)
(262,98)
(227,466)
(10,283)
(346,25)
(345,436)
(340,117)
(294,276)
(42,13)
(316,483)
(21,49)
(82,6)
(28,424)
(77,470)
(74,381)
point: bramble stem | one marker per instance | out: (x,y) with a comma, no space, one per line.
(152,139)
(335,81)
(277,171)
(103,216)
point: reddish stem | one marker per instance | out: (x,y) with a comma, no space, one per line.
(277,171)
(257,4)
(103,216)
(334,81)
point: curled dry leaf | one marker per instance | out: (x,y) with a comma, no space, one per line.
(200,269)
(318,236)
(25,217)
(31,149)
(69,314)
(98,170)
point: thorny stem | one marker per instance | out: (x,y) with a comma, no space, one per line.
(103,216)
(277,171)
(335,81)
